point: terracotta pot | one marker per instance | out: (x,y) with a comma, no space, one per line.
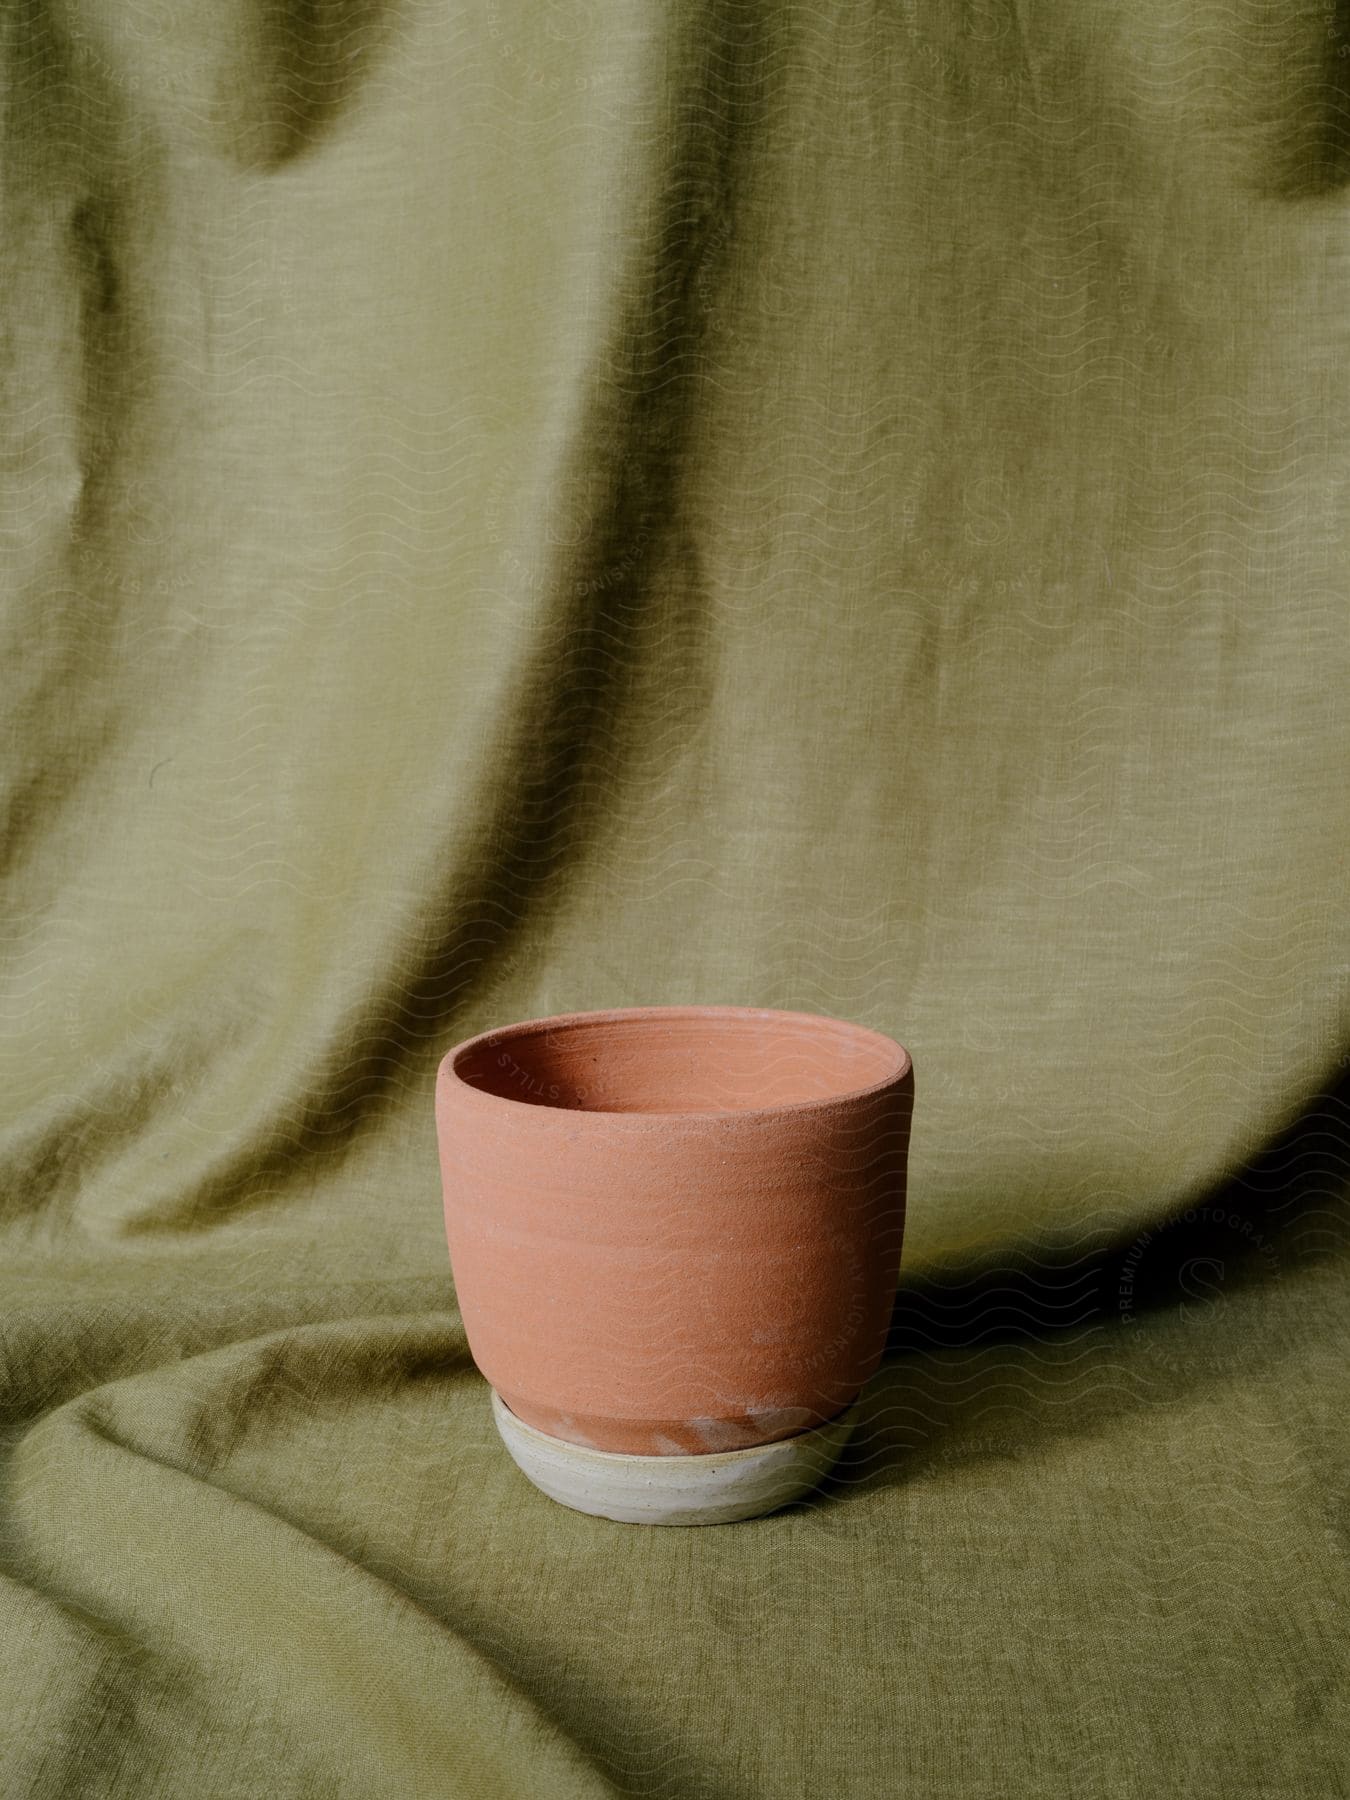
(675,1232)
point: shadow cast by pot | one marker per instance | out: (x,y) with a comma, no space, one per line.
(991,1362)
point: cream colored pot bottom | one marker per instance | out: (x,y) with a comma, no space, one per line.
(716,1489)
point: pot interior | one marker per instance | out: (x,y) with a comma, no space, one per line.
(679,1060)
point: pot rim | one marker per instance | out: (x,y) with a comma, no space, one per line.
(826,1023)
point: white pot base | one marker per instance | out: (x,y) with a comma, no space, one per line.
(674,1490)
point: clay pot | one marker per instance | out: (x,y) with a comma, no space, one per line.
(675,1232)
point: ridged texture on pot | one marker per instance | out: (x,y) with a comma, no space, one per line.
(712,1271)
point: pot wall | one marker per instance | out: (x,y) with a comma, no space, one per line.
(674,1282)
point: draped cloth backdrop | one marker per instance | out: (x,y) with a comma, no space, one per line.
(519,508)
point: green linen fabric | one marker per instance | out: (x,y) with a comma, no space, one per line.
(512,509)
